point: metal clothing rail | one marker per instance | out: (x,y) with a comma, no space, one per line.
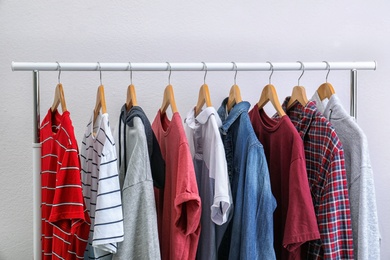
(163,66)
(199,66)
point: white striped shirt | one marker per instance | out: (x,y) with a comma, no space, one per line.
(101,189)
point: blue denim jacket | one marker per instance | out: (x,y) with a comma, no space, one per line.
(250,232)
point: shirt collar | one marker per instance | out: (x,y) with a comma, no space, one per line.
(229,119)
(320,105)
(202,117)
(301,116)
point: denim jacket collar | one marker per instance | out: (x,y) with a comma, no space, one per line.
(229,119)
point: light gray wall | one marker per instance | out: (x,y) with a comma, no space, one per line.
(179,31)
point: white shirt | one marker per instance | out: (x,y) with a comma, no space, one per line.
(101,189)
(212,178)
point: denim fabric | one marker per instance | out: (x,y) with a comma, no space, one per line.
(250,232)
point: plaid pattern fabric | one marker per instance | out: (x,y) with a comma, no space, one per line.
(327,181)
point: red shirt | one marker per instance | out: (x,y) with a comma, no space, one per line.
(294,218)
(178,203)
(65,221)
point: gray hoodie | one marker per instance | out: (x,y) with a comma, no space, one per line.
(366,237)
(141,168)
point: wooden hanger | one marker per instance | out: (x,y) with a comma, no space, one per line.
(204,94)
(298,95)
(234,97)
(269,94)
(234,93)
(100,103)
(169,99)
(131,99)
(203,98)
(59,98)
(326,90)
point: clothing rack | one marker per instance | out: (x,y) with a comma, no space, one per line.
(35,67)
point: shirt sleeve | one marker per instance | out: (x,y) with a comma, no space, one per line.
(367,226)
(215,153)
(69,213)
(108,226)
(187,202)
(301,222)
(334,211)
(257,240)
(68,203)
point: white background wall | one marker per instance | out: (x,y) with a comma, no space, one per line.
(179,31)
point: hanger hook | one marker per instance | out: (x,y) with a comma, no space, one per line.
(131,73)
(170,71)
(100,71)
(235,68)
(205,72)
(327,74)
(272,71)
(59,72)
(303,71)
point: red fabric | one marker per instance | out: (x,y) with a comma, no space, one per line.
(178,203)
(65,221)
(294,218)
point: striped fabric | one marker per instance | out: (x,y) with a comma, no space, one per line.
(101,189)
(65,221)
(327,180)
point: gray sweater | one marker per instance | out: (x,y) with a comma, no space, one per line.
(366,237)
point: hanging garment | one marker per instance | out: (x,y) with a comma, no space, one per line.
(327,180)
(209,160)
(157,163)
(65,220)
(366,237)
(250,232)
(101,189)
(139,208)
(295,221)
(178,204)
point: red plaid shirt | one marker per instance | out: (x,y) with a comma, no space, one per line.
(327,181)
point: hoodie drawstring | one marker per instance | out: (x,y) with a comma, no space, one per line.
(120,143)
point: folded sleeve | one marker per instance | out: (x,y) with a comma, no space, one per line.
(187,201)
(68,202)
